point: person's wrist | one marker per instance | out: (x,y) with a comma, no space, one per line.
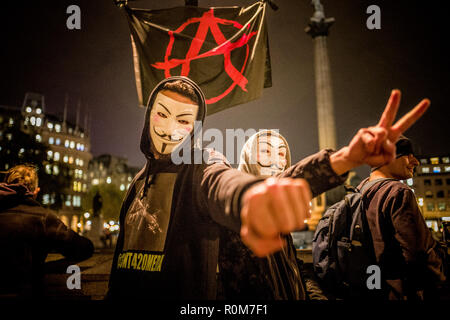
(341,161)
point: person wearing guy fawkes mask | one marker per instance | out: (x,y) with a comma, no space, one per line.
(242,274)
(172,214)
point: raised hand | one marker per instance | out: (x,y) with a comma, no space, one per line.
(271,208)
(375,145)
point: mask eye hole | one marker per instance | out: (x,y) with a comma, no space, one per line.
(162,115)
(184,122)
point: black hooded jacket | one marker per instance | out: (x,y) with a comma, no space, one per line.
(170,221)
(28,232)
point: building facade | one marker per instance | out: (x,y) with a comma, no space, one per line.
(68,148)
(111,169)
(431,185)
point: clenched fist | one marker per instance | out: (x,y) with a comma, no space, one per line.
(272,208)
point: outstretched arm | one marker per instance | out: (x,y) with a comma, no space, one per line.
(272,208)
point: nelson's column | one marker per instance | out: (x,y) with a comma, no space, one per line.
(318,29)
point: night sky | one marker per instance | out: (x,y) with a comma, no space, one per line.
(38,53)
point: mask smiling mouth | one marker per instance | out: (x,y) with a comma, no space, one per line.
(171,138)
(274,166)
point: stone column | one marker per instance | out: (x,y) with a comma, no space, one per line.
(318,29)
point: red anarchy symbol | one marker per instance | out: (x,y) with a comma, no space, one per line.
(209,22)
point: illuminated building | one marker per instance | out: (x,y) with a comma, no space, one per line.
(111,169)
(431,185)
(68,144)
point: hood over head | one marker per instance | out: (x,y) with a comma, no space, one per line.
(249,155)
(11,195)
(146,137)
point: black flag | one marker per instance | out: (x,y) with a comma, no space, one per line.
(225,50)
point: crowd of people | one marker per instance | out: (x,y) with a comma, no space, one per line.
(181,225)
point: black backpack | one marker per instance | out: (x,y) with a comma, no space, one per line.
(342,247)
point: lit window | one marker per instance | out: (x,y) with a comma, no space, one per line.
(33,121)
(420,200)
(66,143)
(434,160)
(445,159)
(436,169)
(430,206)
(55,170)
(38,138)
(28,109)
(442,206)
(95,181)
(81,162)
(82,147)
(50,125)
(425,170)
(9,136)
(129,178)
(56,156)
(447,168)
(22,150)
(38,122)
(70,130)
(46,199)
(108,180)
(84,187)
(58,141)
(75,185)
(51,140)
(65,159)
(77,161)
(78,146)
(122,187)
(50,154)
(409,182)
(58,127)
(82,135)
(71,160)
(38,110)
(68,198)
(48,169)
(72,144)
(11,121)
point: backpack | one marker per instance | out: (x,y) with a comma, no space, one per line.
(342,246)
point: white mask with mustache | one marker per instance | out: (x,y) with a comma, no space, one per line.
(170,122)
(271,155)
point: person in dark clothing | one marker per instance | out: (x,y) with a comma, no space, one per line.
(174,210)
(242,275)
(28,232)
(410,260)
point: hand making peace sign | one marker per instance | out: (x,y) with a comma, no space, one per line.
(375,145)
